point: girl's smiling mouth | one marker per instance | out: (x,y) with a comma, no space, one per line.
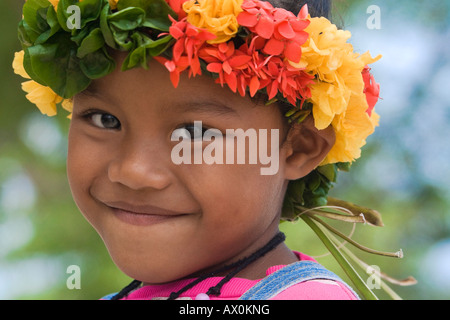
(141,214)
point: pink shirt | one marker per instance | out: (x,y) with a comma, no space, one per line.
(233,289)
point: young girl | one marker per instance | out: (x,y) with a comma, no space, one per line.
(149,82)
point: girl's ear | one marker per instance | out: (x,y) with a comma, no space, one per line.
(306,147)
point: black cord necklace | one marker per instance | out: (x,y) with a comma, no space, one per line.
(215,290)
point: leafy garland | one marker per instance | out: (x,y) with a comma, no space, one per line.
(68,60)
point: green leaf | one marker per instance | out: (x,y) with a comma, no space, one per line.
(97,64)
(313,181)
(62,13)
(156,47)
(89,11)
(104,26)
(136,56)
(24,32)
(34,23)
(52,25)
(344,166)
(56,65)
(329,171)
(157,12)
(32,14)
(127,19)
(123,40)
(79,35)
(144,47)
(93,42)
(288,209)
(29,69)
(296,189)
(320,200)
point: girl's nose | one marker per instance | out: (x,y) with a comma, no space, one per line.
(139,167)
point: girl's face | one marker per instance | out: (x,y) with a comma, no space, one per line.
(159,220)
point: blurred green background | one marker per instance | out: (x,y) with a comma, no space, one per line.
(404,175)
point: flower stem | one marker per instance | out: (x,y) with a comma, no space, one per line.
(356,244)
(346,266)
(320,211)
(406,282)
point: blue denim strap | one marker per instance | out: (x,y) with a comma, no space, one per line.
(288,276)
(109,296)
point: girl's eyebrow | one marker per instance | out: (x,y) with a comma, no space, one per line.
(206,106)
(92,91)
(210,106)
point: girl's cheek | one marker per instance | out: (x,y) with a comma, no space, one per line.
(82,162)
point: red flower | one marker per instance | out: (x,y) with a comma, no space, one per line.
(174,68)
(283,30)
(227,62)
(292,83)
(275,74)
(257,17)
(260,63)
(371,89)
(189,39)
(177,6)
(247,68)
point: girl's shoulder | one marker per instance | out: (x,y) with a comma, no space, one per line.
(302,280)
(317,290)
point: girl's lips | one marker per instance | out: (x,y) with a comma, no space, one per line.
(142,214)
(142,219)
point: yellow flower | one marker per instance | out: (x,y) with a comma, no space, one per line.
(328,100)
(351,127)
(338,94)
(325,48)
(43,97)
(325,55)
(67,104)
(217,16)
(18,65)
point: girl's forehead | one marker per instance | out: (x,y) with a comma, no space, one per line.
(197,94)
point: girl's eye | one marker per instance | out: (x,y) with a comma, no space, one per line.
(193,132)
(105,121)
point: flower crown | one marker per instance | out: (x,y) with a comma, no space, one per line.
(248,45)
